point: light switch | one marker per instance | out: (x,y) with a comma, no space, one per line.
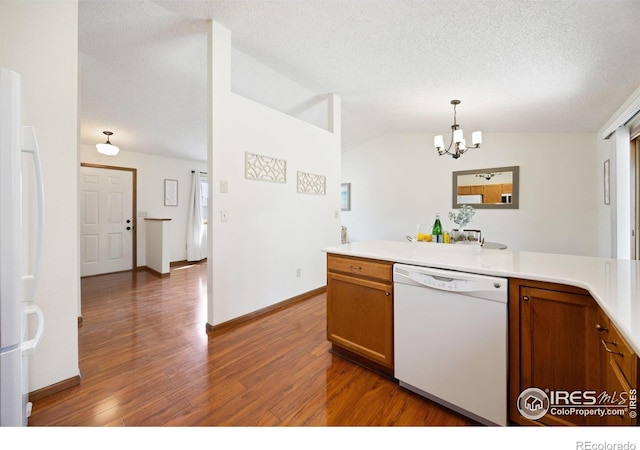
(224,216)
(224,186)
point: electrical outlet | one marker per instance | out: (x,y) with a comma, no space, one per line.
(143,213)
(298,272)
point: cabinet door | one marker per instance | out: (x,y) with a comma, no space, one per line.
(360,316)
(616,384)
(554,347)
(618,374)
(492,193)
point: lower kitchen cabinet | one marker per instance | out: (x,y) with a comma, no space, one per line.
(562,343)
(553,344)
(360,310)
(619,373)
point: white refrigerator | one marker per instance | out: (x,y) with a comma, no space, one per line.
(21,321)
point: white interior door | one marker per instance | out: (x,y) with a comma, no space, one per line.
(106,220)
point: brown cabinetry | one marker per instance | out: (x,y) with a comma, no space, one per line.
(491,193)
(553,345)
(619,374)
(360,310)
(562,343)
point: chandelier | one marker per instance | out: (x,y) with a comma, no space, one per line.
(457,145)
(488,176)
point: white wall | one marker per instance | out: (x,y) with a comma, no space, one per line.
(152,170)
(39,40)
(256,81)
(398,181)
(272,230)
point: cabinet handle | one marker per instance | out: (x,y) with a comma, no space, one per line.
(608,349)
(387,294)
(601,328)
(355,268)
(525,298)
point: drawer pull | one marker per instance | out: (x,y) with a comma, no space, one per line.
(604,343)
(354,268)
(601,328)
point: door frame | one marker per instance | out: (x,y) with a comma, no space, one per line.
(134,206)
(633,153)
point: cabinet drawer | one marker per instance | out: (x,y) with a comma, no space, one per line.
(381,270)
(620,352)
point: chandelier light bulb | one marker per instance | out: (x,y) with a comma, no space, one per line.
(476,138)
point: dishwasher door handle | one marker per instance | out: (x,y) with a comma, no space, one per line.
(432,281)
(442,278)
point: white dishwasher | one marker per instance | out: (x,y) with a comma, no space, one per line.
(450,339)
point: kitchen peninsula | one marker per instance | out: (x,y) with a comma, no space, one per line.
(577,313)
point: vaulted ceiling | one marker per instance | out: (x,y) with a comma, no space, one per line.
(517,66)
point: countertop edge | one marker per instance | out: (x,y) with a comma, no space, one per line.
(583,282)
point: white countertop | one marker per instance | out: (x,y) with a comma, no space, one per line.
(613,283)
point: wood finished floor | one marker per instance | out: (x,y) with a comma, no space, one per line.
(146,360)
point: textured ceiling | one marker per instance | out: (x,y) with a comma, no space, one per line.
(517,66)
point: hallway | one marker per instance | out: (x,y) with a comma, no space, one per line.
(146,360)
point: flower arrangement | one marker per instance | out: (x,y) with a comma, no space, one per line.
(463,217)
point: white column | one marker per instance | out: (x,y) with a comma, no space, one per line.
(157,245)
(621,192)
(218,92)
(335,116)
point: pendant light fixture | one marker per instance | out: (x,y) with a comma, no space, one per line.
(107,148)
(457,145)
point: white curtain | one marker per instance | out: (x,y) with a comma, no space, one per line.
(196,242)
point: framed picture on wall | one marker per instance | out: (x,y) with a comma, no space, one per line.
(170,192)
(345,197)
(607,182)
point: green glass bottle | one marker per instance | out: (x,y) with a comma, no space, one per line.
(436,232)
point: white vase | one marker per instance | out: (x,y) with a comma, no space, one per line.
(458,236)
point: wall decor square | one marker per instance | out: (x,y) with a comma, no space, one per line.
(264,168)
(310,183)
